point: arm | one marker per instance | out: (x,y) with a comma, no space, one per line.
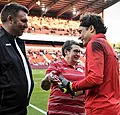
(49,78)
(94,67)
(45,84)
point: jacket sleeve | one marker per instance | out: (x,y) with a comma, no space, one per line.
(94,67)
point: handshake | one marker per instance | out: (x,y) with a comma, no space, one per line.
(65,86)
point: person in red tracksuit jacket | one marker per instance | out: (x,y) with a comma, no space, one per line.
(101,82)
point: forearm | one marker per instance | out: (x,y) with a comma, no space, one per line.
(45,84)
(87,83)
(49,78)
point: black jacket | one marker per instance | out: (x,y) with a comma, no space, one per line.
(13,79)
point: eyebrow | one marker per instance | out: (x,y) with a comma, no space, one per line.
(76,50)
(79,30)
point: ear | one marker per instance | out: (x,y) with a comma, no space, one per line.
(92,29)
(65,51)
(9,18)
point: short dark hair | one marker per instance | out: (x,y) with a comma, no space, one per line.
(88,19)
(12,9)
(67,46)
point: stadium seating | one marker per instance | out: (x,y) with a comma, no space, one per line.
(48,25)
(45,54)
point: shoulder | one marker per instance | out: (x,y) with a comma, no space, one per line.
(56,63)
(96,44)
(1,32)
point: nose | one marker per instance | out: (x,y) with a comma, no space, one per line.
(78,54)
(79,38)
(26,25)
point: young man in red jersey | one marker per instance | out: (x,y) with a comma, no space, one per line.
(60,103)
(101,82)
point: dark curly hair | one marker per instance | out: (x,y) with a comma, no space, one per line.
(88,19)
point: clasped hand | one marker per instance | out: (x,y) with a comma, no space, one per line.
(65,86)
(52,77)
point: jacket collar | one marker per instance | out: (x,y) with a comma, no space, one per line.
(100,35)
(66,64)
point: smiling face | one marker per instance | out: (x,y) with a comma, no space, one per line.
(19,23)
(86,33)
(73,55)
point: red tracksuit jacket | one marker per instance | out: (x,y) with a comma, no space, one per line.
(102,78)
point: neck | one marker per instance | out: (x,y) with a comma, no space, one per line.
(69,61)
(7,28)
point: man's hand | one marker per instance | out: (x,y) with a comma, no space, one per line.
(52,77)
(65,86)
(49,78)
